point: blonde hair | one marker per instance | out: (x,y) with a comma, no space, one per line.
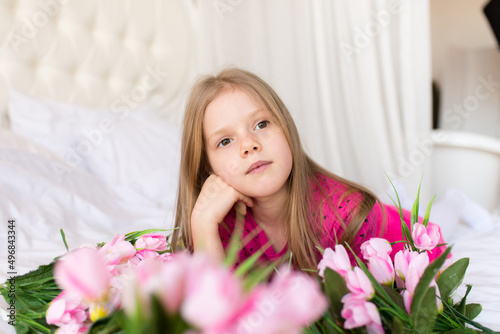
(303,236)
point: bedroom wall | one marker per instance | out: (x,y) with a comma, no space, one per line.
(457,23)
(465,62)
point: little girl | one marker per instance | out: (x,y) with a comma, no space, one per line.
(241,154)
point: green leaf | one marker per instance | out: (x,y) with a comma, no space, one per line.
(472,310)
(415,208)
(133,236)
(461,331)
(424,316)
(32,324)
(335,289)
(460,307)
(451,278)
(236,242)
(258,276)
(33,292)
(398,326)
(107,325)
(394,295)
(246,265)
(42,272)
(325,325)
(428,212)
(379,291)
(464,319)
(404,227)
(428,275)
(63,235)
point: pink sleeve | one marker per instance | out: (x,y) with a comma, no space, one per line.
(392,231)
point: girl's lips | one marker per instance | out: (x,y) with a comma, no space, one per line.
(258,167)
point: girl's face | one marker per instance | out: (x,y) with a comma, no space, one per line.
(245,145)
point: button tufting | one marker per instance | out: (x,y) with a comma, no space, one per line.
(91,49)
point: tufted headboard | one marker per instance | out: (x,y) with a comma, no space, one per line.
(97,53)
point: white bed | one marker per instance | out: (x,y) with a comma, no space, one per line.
(90,109)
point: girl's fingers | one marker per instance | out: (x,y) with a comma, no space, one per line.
(218,180)
(247,200)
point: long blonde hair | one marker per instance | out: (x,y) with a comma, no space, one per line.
(303,236)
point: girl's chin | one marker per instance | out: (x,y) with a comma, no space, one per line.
(261,194)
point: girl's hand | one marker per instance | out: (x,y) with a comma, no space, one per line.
(214,202)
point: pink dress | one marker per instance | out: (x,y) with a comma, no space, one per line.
(254,238)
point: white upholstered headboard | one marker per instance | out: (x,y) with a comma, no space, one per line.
(94,53)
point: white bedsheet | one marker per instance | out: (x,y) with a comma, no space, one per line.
(483,250)
(41,201)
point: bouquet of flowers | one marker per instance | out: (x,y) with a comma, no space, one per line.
(136,284)
(407,294)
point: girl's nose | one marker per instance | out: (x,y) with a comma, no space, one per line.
(249,144)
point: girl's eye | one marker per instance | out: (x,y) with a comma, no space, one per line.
(262,124)
(224,142)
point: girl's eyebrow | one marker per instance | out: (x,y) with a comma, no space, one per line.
(225,129)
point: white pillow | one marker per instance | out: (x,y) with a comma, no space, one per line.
(53,125)
(136,149)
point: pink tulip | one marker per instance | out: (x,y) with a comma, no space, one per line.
(257,306)
(416,269)
(290,302)
(73,329)
(166,257)
(401,261)
(142,255)
(66,309)
(83,272)
(375,247)
(374,328)
(303,301)
(439,302)
(157,275)
(117,251)
(142,280)
(426,238)
(337,260)
(359,312)
(359,284)
(173,282)
(152,241)
(382,269)
(407,299)
(213,295)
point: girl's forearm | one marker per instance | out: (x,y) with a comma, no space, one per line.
(208,242)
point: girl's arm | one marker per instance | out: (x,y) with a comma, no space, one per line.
(214,202)
(207,239)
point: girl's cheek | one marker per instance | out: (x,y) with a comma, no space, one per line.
(232,167)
